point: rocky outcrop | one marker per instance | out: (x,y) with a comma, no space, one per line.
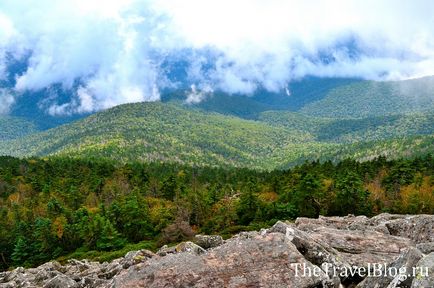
(252,260)
(383,251)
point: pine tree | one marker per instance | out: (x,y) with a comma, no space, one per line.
(351,197)
(168,190)
(308,195)
(100,234)
(22,252)
(109,238)
(248,205)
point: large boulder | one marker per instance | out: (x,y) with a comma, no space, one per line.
(269,260)
(317,252)
(353,238)
(360,247)
(348,222)
(419,228)
(340,244)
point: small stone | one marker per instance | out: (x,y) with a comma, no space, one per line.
(189,247)
(208,241)
(134,257)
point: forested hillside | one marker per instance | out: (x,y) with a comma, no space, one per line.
(299,93)
(372,98)
(323,97)
(354,129)
(15,127)
(57,206)
(157,132)
(176,133)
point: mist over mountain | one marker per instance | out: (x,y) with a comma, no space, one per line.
(87,56)
(138,124)
(345,80)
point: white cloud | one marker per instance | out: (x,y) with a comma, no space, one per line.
(114,49)
(6,101)
(196,96)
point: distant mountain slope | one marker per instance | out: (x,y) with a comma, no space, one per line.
(354,130)
(297,95)
(370,98)
(329,97)
(162,132)
(321,97)
(169,132)
(233,105)
(313,119)
(33,105)
(392,149)
(15,127)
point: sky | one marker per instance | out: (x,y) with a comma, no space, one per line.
(110,52)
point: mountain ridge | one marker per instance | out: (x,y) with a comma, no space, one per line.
(169,132)
(323,97)
(325,119)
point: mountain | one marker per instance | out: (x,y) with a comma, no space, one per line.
(321,97)
(373,98)
(15,127)
(315,118)
(32,105)
(327,97)
(170,132)
(161,132)
(354,129)
(298,94)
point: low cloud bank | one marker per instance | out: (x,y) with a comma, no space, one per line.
(112,52)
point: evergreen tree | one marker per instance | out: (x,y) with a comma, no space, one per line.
(108,238)
(399,175)
(169,188)
(44,242)
(131,218)
(248,204)
(351,197)
(22,252)
(308,195)
(100,234)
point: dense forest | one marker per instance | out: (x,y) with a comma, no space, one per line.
(50,208)
(176,133)
(15,127)
(375,98)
